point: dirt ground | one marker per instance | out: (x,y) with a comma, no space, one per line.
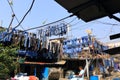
(112,77)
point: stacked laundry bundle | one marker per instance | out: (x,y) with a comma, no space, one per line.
(86,41)
(99,46)
(73,47)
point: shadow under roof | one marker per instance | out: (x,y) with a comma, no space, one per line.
(113,51)
(89,10)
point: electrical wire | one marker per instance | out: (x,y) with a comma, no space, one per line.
(21,19)
(83,26)
(80,26)
(72,20)
(75,24)
(49,23)
(89,26)
(11,20)
(9,25)
(107,34)
(25,14)
(106,23)
(14,13)
(68,23)
(94,22)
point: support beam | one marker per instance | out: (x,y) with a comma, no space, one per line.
(114,17)
(87,68)
(115,36)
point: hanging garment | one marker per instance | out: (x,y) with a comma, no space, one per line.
(51,31)
(61,50)
(48,46)
(95,44)
(78,49)
(102,68)
(107,63)
(44,39)
(22,40)
(112,62)
(57,50)
(22,52)
(64,29)
(10,37)
(31,54)
(4,36)
(25,39)
(30,41)
(52,47)
(14,31)
(77,42)
(47,42)
(13,39)
(27,43)
(1,36)
(57,30)
(16,39)
(35,45)
(85,41)
(34,35)
(41,33)
(46,32)
(38,44)
(116,66)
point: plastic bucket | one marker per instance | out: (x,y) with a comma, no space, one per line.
(94,78)
(45,73)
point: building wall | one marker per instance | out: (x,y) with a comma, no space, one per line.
(113,44)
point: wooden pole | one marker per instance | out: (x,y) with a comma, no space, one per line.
(87,66)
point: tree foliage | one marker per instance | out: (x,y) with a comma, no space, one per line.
(7,59)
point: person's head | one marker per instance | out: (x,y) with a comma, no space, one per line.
(80,67)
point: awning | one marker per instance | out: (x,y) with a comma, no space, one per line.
(113,51)
(89,10)
(56,64)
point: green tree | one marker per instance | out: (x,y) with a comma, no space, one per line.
(7,59)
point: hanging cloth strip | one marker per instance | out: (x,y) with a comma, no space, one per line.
(4,36)
(35,44)
(22,41)
(39,44)
(85,41)
(25,39)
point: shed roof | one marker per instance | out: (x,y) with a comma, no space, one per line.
(89,10)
